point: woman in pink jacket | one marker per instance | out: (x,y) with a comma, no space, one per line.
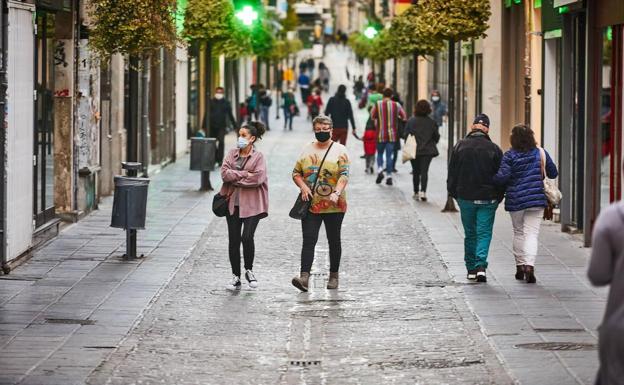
(245,185)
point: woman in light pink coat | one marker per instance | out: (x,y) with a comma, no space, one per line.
(245,185)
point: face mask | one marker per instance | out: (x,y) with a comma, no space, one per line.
(435,98)
(322,136)
(242,142)
(219,96)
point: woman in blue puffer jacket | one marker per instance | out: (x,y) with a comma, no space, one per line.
(521,174)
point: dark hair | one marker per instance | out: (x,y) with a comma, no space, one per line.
(342,90)
(388,93)
(380,87)
(255,128)
(522,138)
(423,108)
(219,89)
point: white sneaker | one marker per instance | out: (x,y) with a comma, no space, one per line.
(234,284)
(423,196)
(251,279)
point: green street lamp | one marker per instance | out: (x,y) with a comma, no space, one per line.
(247,15)
(370,32)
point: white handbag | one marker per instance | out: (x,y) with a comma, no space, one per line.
(410,148)
(553,195)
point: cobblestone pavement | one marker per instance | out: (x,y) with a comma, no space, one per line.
(397,318)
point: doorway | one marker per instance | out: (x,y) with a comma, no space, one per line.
(43,159)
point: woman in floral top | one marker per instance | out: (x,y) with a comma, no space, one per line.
(329,200)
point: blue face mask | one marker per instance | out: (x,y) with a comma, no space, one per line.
(242,142)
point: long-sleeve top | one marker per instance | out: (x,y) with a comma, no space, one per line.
(386,115)
(606,267)
(335,168)
(427,135)
(520,173)
(339,110)
(249,184)
(220,113)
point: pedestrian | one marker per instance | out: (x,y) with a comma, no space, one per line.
(304,86)
(324,76)
(243,114)
(341,113)
(220,114)
(439,111)
(427,135)
(521,174)
(315,103)
(606,268)
(401,130)
(473,164)
(265,103)
(328,200)
(358,87)
(386,114)
(370,145)
(246,187)
(311,65)
(252,103)
(290,108)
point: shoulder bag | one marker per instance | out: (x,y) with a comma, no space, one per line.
(553,195)
(301,208)
(220,203)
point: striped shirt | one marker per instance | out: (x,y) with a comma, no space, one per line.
(386,114)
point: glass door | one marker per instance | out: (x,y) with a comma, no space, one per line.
(44,120)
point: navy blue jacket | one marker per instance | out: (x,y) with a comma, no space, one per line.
(521,175)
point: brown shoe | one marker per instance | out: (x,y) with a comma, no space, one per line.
(529,274)
(301,282)
(333,281)
(520,272)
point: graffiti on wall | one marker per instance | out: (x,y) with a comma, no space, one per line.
(88,133)
(63,76)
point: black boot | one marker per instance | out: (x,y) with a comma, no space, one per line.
(529,274)
(520,272)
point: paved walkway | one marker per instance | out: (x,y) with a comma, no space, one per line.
(404,314)
(68,307)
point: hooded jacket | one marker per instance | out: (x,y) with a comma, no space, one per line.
(474,162)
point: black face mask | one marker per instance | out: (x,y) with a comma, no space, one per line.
(322,136)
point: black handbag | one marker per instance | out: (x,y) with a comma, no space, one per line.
(301,208)
(219,205)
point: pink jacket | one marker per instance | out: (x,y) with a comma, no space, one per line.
(251,182)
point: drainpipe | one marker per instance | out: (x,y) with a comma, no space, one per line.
(3,100)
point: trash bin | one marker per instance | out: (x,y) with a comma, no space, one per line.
(203,153)
(129,202)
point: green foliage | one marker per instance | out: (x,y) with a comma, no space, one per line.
(456,19)
(291,21)
(133,27)
(361,46)
(411,32)
(209,21)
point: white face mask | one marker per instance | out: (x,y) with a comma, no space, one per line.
(435,98)
(219,96)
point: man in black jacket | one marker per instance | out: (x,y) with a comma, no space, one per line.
(474,162)
(340,111)
(220,112)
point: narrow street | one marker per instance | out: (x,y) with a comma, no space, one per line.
(404,313)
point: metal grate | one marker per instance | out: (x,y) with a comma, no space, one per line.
(558,346)
(305,363)
(70,321)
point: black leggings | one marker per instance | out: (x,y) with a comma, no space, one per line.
(420,170)
(248,227)
(311,226)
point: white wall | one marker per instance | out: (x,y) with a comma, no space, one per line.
(550,94)
(20,129)
(181,100)
(492,69)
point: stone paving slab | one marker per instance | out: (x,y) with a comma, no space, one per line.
(78,277)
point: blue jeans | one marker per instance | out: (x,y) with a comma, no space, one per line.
(264,115)
(478,220)
(388,149)
(288,118)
